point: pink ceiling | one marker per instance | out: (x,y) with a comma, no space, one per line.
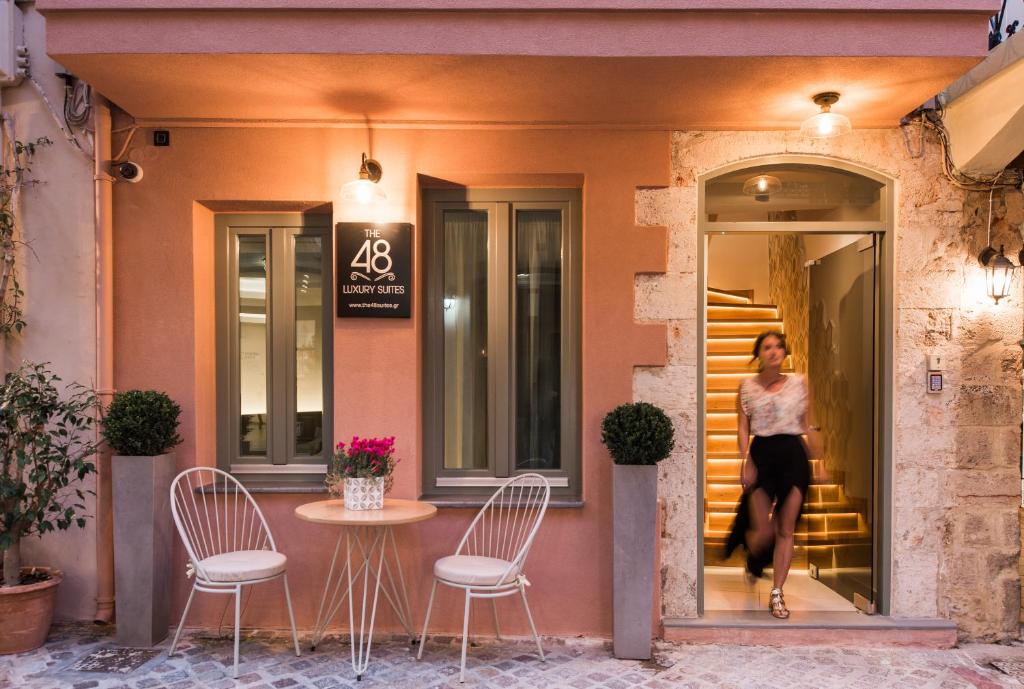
(714,93)
(710,65)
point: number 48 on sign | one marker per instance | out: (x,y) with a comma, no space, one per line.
(374,268)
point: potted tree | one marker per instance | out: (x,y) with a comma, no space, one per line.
(141,426)
(46,443)
(638,436)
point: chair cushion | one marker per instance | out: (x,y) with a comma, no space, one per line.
(244,565)
(473,570)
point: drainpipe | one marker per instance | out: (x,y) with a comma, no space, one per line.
(103,189)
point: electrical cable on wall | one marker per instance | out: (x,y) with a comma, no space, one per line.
(77,101)
(74,109)
(127,141)
(57,119)
(932,118)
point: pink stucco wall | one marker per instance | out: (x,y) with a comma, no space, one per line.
(165,337)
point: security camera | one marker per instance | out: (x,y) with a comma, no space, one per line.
(127,171)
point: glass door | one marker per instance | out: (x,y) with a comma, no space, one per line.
(842,370)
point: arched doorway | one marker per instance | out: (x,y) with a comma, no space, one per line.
(803,244)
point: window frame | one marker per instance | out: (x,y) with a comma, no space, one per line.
(501,206)
(280,230)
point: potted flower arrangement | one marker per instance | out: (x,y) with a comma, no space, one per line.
(46,442)
(638,436)
(362,472)
(141,426)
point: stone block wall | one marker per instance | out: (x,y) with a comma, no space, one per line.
(787,284)
(955,461)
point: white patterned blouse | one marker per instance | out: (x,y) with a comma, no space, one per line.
(775,413)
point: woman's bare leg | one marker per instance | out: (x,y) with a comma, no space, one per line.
(759,537)
(785,525)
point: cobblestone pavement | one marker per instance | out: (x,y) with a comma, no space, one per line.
(204,661)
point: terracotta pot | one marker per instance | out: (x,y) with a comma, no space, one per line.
(27,612)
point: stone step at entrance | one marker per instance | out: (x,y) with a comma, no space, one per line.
(757,628)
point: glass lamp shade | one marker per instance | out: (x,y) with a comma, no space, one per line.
(999,276)
(363,192)
(762,186)
(826,125)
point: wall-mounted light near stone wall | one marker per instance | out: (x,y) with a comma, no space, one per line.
(998,268)
(998,272)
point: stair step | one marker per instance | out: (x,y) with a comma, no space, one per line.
(724,467)
(720,400)
(721,296)
(810,508)
(731,345)
(729,380)
(731,362)
(724,382)
(721,421)
(803,539)
(823,495)
(751,326)
(846,523)
(739,363)
(720,312)
(717,442)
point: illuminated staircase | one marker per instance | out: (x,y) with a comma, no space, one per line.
(829,521)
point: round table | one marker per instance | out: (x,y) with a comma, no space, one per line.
(370,552)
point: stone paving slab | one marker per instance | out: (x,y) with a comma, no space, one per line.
(204,661)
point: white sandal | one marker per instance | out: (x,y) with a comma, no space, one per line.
(777,605)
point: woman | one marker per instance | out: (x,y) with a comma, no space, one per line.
(775,409)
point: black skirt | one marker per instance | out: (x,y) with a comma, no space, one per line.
(782,464)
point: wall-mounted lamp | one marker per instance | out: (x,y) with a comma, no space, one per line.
(365,190)
(998,272)
(762,187)
(998,268)
(826,124)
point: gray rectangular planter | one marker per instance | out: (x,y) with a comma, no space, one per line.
(634,505)
(143,541)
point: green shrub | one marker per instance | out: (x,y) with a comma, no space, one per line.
(46,443)
(637,433)
(141,423)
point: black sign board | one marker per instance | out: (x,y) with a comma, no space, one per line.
(374,269)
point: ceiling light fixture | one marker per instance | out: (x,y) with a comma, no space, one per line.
(762,187)
(364,190)
(826,124)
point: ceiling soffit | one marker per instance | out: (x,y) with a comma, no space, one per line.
(660,69)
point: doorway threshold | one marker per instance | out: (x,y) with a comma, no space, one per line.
(809,628)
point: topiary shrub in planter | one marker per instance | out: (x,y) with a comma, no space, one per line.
(637,433)
(141,423)
(142,426)
(638,436)
(46,442)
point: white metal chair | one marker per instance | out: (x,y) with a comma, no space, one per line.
(490,558)
(228,541)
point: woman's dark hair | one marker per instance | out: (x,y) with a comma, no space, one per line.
(765,335)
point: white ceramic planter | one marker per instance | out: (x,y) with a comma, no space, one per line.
(364,493)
